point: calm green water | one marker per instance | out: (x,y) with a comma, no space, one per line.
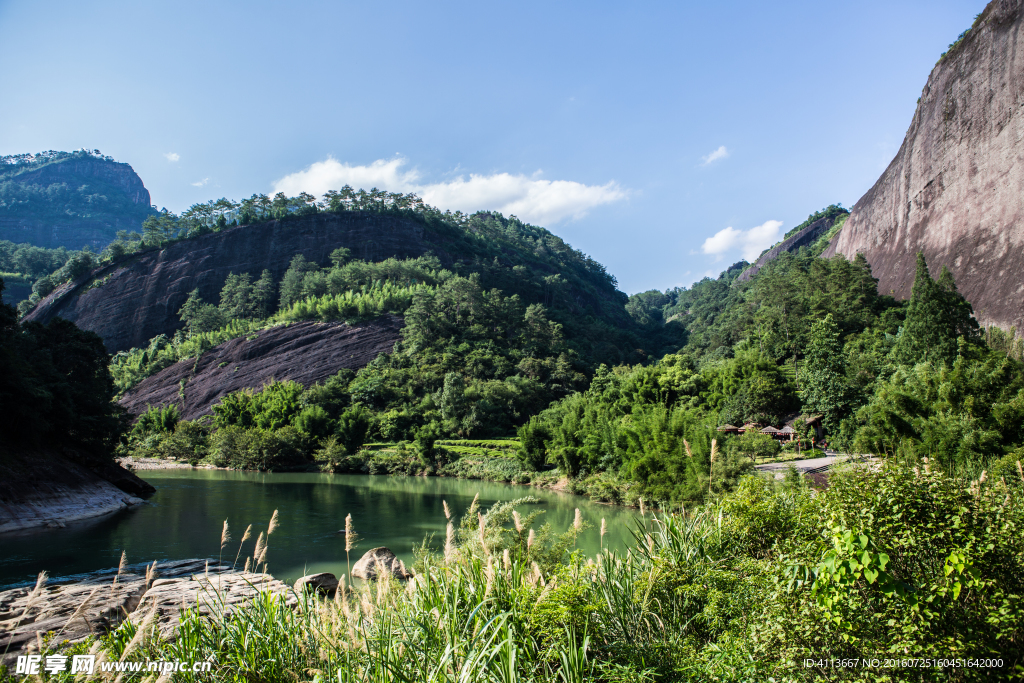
(183,519)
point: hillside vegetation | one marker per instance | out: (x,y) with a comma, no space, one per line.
(69,199)
(523,334)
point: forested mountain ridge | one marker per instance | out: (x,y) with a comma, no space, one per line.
(954,189)
(137,295)
(69,199)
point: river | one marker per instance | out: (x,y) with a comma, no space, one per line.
(185,516)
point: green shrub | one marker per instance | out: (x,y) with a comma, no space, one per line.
(257,449)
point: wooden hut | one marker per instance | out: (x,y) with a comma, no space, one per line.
(729,429)
(787,433)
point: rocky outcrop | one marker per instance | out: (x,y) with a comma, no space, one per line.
(48,489)
(96,603)
(305,352)
(955,190)
(324,582)
(377,562)
(804,237)
(126,204)
(130,302)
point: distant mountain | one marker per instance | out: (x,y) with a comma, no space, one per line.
(69,199)
(955,190)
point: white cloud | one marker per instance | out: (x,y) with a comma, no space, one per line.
(719,153)
(172,156)
(531,198)
(750,243)
(200,183)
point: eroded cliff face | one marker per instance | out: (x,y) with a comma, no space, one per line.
(955,190)
(306,353)
(127,205)
(131,302)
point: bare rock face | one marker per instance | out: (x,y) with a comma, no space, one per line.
(96,603)
(306,353)
(377,562)
(130,302)
(102,177)
(955,190)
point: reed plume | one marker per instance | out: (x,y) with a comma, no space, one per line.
(33,596)
(1020,471)
(225,536)
(78,611)
(686,445)
(259,551)
(273,523)
(351,537)
(577,521)
(245,537)
(139,634)
(604,530)
(449,542)
(711,466)
(483,537)
(643,510)
(530,538)
(518,521)
(447,510)
(120,568)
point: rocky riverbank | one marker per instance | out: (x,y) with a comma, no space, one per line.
(77,607)
(74,608)
(49,489)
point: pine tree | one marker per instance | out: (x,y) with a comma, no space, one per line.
(936,316)
(825,389)
(263,294)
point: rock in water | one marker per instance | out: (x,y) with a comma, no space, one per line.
(955,190)
(378,561)
(323,582)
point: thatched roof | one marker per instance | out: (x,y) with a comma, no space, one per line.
(769,430)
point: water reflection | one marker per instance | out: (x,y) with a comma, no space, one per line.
(184,519)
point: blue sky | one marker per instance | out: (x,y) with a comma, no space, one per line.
(666,140)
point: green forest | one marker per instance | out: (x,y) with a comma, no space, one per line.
(521,362)
(526,338)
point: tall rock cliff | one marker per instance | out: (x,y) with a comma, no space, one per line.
(131,301)
(955,190)
(69,199)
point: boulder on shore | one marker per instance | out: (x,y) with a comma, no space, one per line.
(324,582)
(379,561)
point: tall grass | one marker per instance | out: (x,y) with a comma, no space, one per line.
(698,596)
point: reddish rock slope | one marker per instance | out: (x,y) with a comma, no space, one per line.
(304,352)
(130,302)
(955,190)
